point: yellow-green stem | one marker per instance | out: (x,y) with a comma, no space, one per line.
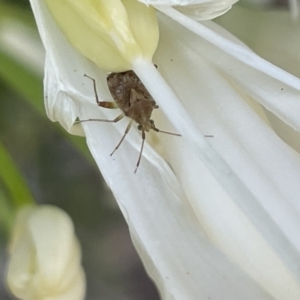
(17,188)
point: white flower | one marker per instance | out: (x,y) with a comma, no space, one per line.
(45,256)
(216,217)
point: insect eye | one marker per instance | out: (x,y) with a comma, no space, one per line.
(139,127)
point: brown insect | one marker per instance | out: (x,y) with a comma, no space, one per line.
(135,102)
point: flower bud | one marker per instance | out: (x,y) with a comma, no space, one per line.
(112,33)
(45,256)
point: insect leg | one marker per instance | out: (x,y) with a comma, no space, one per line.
(108,104)
(118,118)
(177,134)
(123,137)
(142,147)
(105,104)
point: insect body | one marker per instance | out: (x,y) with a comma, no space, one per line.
(132,98)
(135,102)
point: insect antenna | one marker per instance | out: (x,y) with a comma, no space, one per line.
(142,147)
(177,134)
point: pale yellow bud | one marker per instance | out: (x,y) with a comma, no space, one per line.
(45,256)
(112,33)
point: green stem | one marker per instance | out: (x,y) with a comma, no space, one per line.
(7,214)
(13,181)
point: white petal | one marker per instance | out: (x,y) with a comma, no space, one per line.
(175,250)
(196,9)
(62,100)
(279,94)
(206,11)
(175,2)
(251,149)
(274,31)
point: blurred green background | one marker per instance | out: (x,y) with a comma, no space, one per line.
(39,159)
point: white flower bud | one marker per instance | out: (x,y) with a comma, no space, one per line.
(45,256)
(111,33)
